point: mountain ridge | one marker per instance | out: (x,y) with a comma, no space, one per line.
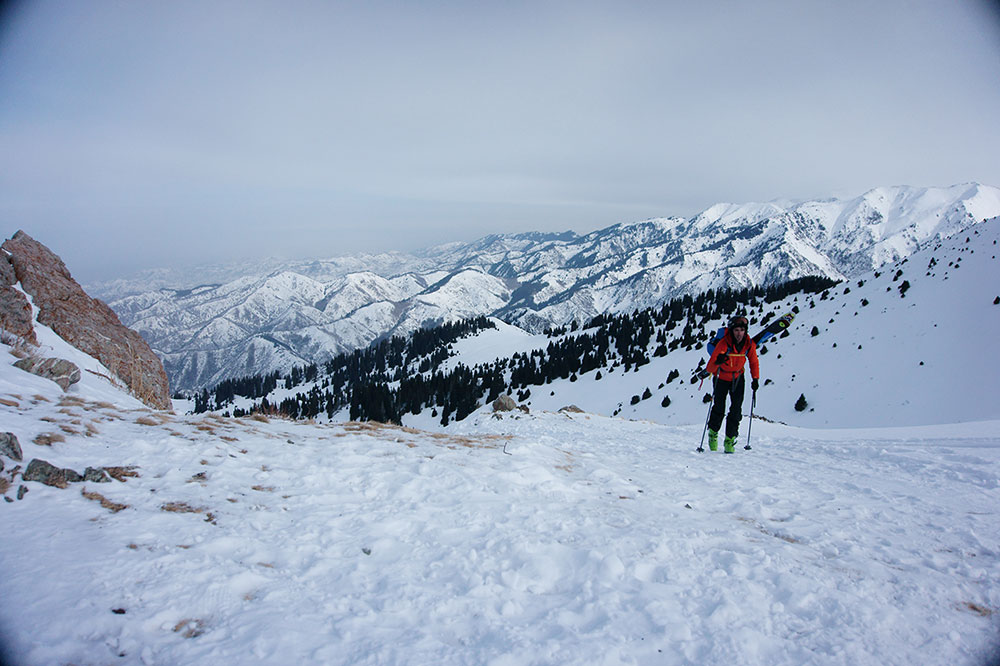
(535,279)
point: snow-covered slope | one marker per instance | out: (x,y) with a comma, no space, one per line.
(878,358)
(305,312)
(538,539)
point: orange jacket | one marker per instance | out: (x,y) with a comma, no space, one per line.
(727,361)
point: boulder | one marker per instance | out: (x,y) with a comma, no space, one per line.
(87,323)
(10,447)
(47,473)
(62,372)
(504,403)
(96,475)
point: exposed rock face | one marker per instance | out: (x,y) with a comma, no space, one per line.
(86,323)
(62,372)
(15,311)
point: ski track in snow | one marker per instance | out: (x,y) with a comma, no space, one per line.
(596,541)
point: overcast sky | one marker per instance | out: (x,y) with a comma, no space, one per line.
(147,133)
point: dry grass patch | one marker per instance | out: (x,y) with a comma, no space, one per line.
(259,417)
(371,426)
(189,628)
(69,430)
(769,532)
(184,507)
(4,485)
(154,419)
(9,403)
(263,489)
(72,401)
(40,398)
(377,428)
(122,473)
(113,507)
(567,466)
(978,609)
(92,430)
(227,438)
(48,438)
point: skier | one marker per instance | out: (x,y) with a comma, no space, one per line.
(726,364)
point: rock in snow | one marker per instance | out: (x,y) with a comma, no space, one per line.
(45,472)
(62,372)
(504,403)
(10,447)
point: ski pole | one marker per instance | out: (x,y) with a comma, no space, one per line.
(701,444)
(753,403)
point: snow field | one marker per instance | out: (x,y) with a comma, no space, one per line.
(596,541)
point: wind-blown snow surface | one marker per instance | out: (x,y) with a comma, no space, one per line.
(549,538)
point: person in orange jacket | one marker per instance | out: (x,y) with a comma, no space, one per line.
(726,364)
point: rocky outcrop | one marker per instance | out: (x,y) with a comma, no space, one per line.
(84,322)
(62,372)
(15,311)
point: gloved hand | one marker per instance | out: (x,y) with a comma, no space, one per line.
(702,373)
(754,385)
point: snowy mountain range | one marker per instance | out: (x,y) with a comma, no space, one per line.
(303,312)
(901,345)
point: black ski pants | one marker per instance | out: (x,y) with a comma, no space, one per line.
(735,390)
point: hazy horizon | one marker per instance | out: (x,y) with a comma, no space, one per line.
(173,135)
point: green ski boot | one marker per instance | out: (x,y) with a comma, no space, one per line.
(729,445)
(713,439)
